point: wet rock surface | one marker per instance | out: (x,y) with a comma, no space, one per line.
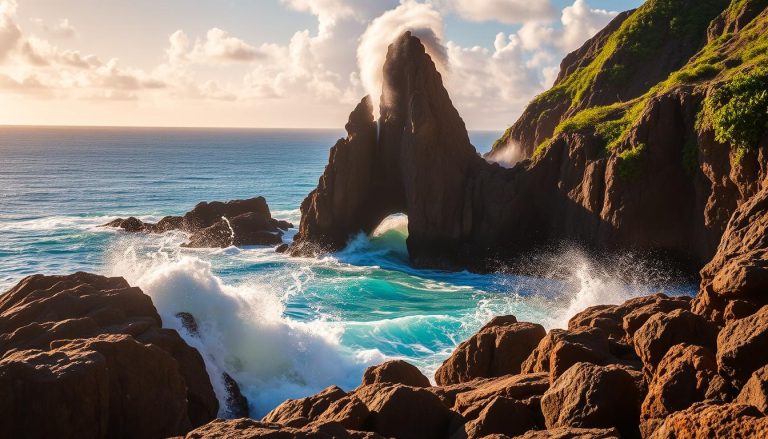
(218,224)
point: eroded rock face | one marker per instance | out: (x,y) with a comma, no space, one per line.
(217,224)
(498,349)
(87,354)
(590,396)
(395,372)
(662,331)
(755,392)
(738,274)
(714,420)
(687,374)
(742,347)
(572,433)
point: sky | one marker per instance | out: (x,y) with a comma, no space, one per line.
(273,63)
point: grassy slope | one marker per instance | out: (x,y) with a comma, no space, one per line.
(729,59)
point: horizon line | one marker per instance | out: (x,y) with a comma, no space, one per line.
(190,127)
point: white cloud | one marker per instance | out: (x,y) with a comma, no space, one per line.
(10,33)
(62,29)
(503,11)
(217,46)
(582,22)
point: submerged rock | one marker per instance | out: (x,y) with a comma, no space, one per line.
(216,224)
(88,355)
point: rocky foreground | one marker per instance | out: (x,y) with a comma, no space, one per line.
(88,355)
(217,224)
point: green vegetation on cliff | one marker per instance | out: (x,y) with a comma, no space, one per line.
(730,69)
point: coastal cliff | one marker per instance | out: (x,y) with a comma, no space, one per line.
(649,163)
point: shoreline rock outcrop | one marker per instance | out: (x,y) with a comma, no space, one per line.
(87,356)
(217,224)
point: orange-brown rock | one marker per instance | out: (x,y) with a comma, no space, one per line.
(250,429)
(498,349)
(739,270)
(621,321)
(309,408)
(395,372)
(712,420)
(405,412)
(501,416)
(742,346)
(662,331)
(687,374)
(526,387)
(755,392)
(561,349)
(591,396)
(572,433)
(100,355)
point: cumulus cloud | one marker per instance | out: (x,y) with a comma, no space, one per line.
(329,67)
(217,46)
(503,11)
(61,29)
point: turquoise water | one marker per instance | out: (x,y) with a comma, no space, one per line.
(283,327)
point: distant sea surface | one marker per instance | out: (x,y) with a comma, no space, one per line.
(283,327)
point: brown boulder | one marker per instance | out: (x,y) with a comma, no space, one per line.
(572,433)
(405,412)
(755,392)
(621,321)
(494,351)
(395,372)
(250,429)
(105,386)
(687,374)
(742,347)
(519,387)
(710,420)
(561,349)
(309,408)
(662,331)
(591,396)
(42,312)
(501,416)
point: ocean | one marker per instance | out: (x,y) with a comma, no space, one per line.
(282,327)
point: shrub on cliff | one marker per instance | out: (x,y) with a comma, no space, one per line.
(738,111)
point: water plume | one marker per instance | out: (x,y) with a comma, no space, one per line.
(421,19)
(507,156)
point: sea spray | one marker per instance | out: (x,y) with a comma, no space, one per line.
(243,331)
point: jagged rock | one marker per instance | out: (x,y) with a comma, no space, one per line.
(501,416)
(621,321)
(572,433)
(591,396)
(687,374)
(527,388)
(662,331)
(755,392)
(250,429)
(405,412)
(561,349)
(217,224)
(395,372)
(706,419)
(308,408)
(498,349)
(73,326)
(739,270)
(742,347)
